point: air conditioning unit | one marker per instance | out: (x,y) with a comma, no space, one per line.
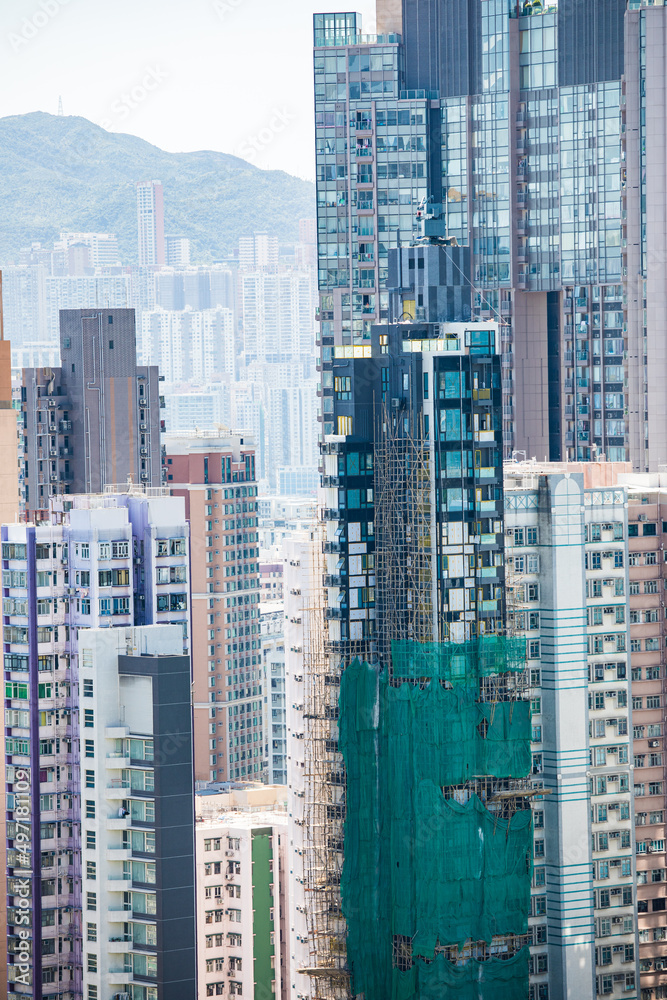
(642,517)
(229,854)
(654,743)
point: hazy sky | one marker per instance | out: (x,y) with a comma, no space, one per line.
(231,75)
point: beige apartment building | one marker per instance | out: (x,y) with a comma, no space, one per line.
(647,529)
(216,476)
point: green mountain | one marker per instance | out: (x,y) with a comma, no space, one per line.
(62,174)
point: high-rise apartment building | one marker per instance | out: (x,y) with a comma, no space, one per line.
(216,477)
(82,291)
(188,345)
(566,571)
(276,315)
(9,440)
(647,517)
(530,134)
(194,288)
(24,303)
(415,660)
(75,588)
(150,224)
(275,703)
(242,893)
(258,250)
(95,420)
(137,872)
(177,251)
(103,247)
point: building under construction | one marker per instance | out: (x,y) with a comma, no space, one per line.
(417,790)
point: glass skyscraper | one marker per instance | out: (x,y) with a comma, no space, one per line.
(504,125)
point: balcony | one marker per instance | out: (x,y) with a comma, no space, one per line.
(118,823)
(119,853)
(120,945)
(118,884)
(64,426)
(116,732)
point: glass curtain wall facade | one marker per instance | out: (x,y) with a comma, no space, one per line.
(517,146)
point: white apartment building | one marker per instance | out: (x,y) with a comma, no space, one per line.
(108,291)
(183,411)
(302,585)
(242,893)
(137,814)
(258,250)
(103,247)
(188,345)
(277,315)
(272,619)
(567,590)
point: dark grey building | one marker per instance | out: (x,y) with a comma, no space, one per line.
(415,599)
(95,420)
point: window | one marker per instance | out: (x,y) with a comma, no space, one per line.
(91,932)
(91,900)
(92,963)
(90,779)
(90,840)
(90,809)
(87,688)
(88,718)
(91,870)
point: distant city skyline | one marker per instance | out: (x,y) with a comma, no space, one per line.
(229,75)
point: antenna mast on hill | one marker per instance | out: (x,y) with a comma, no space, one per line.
(61,113)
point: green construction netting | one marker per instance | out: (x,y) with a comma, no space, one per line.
(417,864)
(438,734)
(496,979)
(458,662)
